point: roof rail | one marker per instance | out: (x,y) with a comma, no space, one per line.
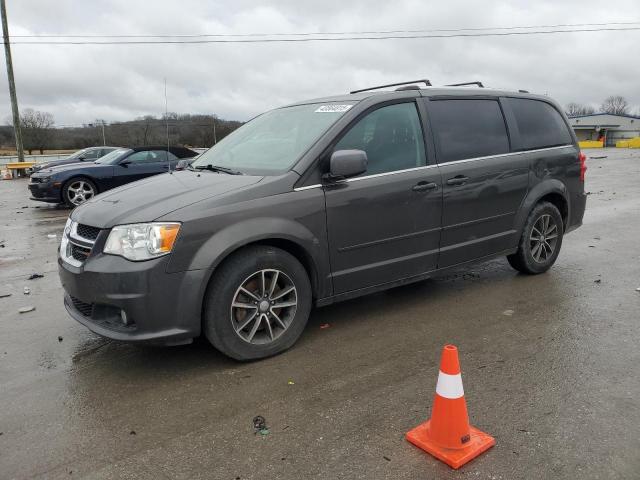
(425,81)
(479,84)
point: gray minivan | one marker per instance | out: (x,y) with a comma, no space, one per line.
(321,201)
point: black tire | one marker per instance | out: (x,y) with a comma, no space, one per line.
(89,188)
(524,260)
(221,319)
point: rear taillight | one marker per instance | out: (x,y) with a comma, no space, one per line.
(583,165)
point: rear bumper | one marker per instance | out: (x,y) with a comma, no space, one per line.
(45,192)
(160,307)
(576,213)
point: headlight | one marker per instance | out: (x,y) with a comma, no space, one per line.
(44,179)
(142,241)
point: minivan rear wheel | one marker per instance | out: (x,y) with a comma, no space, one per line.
(541,240)
(257,303)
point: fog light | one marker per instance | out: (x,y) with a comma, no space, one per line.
(123,317)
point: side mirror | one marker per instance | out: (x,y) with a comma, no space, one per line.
(81,159)
(183,164)
(346,163)
(125,163)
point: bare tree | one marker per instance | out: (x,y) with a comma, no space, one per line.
(37,129)
(575,109)
(615,105)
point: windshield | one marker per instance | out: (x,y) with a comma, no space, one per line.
(113,157)
(274,141)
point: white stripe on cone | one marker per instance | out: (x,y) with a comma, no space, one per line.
(449,386)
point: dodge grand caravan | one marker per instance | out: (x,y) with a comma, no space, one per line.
(321,201)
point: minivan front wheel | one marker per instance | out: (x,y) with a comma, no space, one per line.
(257,303)
(541,240)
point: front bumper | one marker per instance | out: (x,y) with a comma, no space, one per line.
(160,307)
(45,192)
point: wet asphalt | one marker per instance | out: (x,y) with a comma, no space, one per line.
(550,364)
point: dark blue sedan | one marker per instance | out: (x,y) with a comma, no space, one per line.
(76,183)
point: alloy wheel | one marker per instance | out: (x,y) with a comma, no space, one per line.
(544,238)
(264,306)
(79,192)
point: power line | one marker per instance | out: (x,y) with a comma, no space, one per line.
(321,39)
(372,32)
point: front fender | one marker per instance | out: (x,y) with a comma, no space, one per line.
(252,230)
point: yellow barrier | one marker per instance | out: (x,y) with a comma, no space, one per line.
(629,143)
(590,144)
(20,165)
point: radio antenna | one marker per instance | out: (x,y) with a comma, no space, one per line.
(166,120)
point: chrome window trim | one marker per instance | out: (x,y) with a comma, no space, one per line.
(466,160)
(508,154)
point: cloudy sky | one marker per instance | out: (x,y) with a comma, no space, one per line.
(79,83)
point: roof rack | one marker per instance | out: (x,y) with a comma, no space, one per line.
(479,84)
(425,81)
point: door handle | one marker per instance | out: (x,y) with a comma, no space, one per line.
(424,186)
(457,180)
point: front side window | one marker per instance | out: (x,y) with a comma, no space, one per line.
(391,136)
(273,142)
(148,156)
(91,154)
(468,129)
(539,124)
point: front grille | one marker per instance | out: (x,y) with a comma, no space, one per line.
(36,180)
(84,308)
(88,232)
(79,253)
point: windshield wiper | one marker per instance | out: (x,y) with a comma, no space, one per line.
(216,168)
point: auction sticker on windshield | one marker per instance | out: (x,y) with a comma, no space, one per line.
(333,108)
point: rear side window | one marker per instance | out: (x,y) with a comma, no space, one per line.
(539,124)
(468,129)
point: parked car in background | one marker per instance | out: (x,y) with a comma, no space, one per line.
(322,201)
(76,183)
(90,154)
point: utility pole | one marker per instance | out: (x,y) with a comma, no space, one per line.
(215,138)
(12,84)
(104,139)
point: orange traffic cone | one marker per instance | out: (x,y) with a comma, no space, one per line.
(448,435)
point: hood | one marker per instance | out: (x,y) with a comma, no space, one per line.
(69,166)
(148,199)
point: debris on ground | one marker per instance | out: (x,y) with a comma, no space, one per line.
(386,458)
(52,235)
(33,276)
(132,432)
(26,309)
(260,425)
(26,291)
(599,157)
(291,382)
(508,313)
(60,338)
(324,325)
(597,280)
(5,295)
(638,289)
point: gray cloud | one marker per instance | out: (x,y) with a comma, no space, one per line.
(116,82)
